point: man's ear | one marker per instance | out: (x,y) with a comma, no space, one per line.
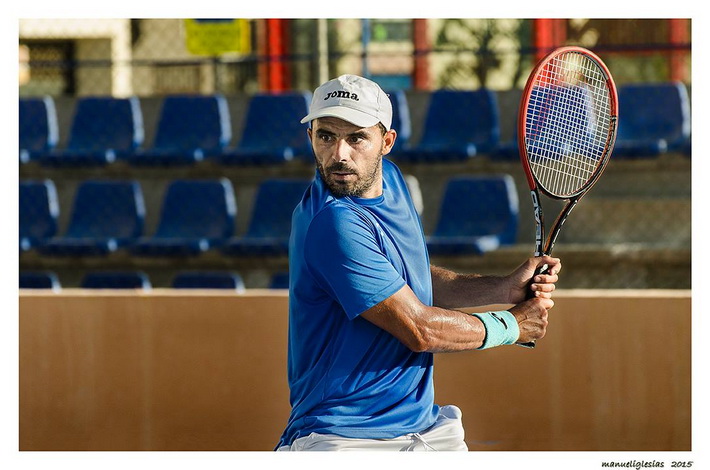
(389,139)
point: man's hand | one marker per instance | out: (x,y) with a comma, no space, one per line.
(542,285)
(531,316)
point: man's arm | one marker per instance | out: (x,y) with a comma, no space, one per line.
(435,329)
(441,329)
(453,290)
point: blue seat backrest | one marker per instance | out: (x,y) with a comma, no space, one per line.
(38,125)
(39,280)
(274,120)
(107,209)
(39,209)
(189,122)
(456,117)
(102,123)
(208,280)
(654,111)
(116,280)
(478,206)
(572,133)
(401,120)
(279,280)
(273,207)
(198,209)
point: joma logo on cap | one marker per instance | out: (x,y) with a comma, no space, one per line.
(342,94)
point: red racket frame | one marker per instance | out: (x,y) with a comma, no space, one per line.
(533,183)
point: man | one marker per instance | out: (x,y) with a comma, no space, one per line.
(366,308)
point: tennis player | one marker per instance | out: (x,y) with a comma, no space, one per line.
(366,309)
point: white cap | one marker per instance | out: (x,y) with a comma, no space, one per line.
(352,98)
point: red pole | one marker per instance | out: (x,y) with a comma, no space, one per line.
(421,49)
(262,67)
(276,52)
(678,35)
(548,34)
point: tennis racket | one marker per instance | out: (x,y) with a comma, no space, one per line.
(566,131)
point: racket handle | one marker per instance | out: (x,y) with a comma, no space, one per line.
(530,294)
(541,270)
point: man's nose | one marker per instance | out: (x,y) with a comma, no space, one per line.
(341,151)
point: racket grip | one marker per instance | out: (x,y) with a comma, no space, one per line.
(541,270)
(530,294)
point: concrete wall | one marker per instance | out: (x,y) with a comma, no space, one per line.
(171,370)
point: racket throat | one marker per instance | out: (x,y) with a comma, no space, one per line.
(539,222)
(557,226)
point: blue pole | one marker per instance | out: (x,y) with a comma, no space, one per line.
(365,43)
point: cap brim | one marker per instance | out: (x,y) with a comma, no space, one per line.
(350,115)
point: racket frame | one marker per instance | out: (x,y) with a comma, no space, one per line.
(535,187)
(544,246)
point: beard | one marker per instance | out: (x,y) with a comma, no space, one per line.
(355,188)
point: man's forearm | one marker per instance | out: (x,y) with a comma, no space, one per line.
(453,290)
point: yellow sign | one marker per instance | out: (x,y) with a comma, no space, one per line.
(218,36)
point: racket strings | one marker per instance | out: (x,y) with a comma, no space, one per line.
(567,123)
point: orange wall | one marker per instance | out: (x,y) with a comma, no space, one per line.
(171,370)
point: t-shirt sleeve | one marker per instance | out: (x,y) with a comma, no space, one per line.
(343,254)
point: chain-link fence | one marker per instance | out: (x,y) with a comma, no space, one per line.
(632,231)
(148,57)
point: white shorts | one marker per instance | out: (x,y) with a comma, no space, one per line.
(445,434)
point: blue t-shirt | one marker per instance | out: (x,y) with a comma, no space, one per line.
(347,376)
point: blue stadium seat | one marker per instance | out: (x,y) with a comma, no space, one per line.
(196,216)
(401,120)
(654,118)
(573,134)
(272,132)
(458,125)
(106,216)
(39,130)
(39,280)
(279,280)
(270,225)
(116,280)
(508,106)
(103,130)
(190,129)
(478,214)
(687,149)
(567,135)
(508,150)
(208,280)
(39,213)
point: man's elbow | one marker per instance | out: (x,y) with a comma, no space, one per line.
(419,341)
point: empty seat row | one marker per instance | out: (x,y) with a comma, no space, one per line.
(196,216)
(190,129)
(657,121)
(228,280)
(654,118)
(478,214)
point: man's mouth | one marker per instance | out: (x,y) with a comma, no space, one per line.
(342,175)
